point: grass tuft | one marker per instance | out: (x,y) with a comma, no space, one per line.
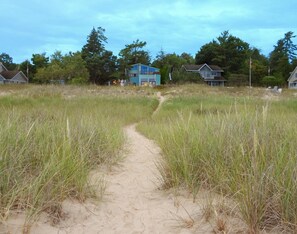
(52,137)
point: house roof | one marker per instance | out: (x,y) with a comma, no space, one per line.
(194,67)
(9,74)
(141,64)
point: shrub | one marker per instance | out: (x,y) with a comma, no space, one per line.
(271,81)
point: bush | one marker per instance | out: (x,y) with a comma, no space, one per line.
(238,80)
(182,77)
(271,81)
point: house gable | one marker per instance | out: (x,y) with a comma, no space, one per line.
(211,74)
(13,76)
(292,81)
(205,67)
(206,71)
(20,78)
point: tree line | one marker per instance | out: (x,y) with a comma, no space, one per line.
(95,64)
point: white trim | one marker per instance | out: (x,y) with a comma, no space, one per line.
(204,66)
(22,74)
(2,65)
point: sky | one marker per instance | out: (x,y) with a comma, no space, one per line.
(35,26)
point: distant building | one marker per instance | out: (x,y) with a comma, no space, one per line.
(292,81)
(140,74)
(12,77)
(211,74)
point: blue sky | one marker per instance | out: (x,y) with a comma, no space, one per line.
(35,26)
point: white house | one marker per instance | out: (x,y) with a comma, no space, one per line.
(292,81)
(211,74)
(12,77)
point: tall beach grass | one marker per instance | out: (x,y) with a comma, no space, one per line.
(52,137)
(243,147)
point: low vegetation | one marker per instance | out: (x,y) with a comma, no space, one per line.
(52,137)
(237,142)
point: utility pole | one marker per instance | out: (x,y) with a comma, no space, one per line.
(250,73)
(27,69)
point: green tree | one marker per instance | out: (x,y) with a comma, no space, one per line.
(289,47)
(57,57)
(39,61)
(172,62)
(228,52)
(188,59)
(109,66)
(283,56)
(26,67)
(7,61)
(93,52)
(70,68)
(207,53)
(259,66)
(75,67)
(131,54)
(271,81)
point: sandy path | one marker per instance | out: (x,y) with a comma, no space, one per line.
(132,202)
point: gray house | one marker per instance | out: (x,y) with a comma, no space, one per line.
(211,74)
(292,81)
(12,77)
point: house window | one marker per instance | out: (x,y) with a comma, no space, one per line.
(144,70)
(296,74)
(214,73)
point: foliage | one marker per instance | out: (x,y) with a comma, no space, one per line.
(271,81)
(288,45)
(208,53)
(180,76)
(7,61)
(259,66)
(70,68)
(27,68)
(236,146)
(132,54)
(39,61)
(51,137)
(282,57)
(238,80)
(100,62)
(228,52)
(172,62)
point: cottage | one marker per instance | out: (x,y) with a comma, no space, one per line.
(140,74)
(10,77)
(211,74)
(292,81)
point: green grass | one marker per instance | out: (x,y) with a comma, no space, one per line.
(236,141)
(52,137)
(241,146)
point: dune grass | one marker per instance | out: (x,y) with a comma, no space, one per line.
(52,137)
(241,146)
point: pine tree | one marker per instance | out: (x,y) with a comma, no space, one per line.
(282,57)
(92,54)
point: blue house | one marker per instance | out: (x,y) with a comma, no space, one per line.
(140,74)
